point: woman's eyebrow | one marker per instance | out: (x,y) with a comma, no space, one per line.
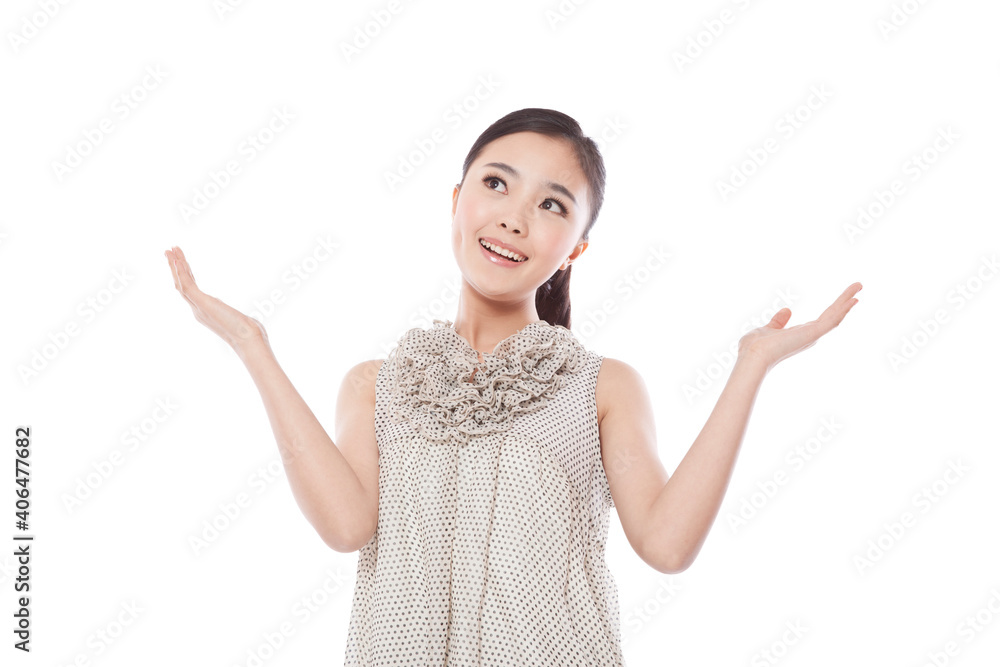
(516,174)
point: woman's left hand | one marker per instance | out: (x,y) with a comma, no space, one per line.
(771,343)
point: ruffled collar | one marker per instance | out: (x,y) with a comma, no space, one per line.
(431,386)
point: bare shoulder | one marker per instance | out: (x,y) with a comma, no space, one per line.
(617,383)
(635,474)
(360,378)
(354,432)
(355,421)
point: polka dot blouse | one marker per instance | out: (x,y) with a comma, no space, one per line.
(493,507)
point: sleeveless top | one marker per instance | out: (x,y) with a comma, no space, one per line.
(493,507)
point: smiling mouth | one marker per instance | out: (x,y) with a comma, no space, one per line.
(500,252)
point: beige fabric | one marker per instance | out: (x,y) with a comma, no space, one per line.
(493,508)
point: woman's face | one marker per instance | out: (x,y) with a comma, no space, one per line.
(511,197)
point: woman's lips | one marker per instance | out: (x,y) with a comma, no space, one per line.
(499,260)
(500,244)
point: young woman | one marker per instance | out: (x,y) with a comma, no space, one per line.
(476,466)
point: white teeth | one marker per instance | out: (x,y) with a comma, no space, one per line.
(500,251)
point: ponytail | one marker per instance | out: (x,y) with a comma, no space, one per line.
(552,298)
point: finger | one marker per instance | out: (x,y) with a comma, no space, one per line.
(844,298)
(835,314)
(173,268)
(780,319)
(184,265)
(178,279)
(185,274)
(183,279)
(172,259)
(851,290)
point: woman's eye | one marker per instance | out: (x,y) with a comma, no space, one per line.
(489,180)
(553,201)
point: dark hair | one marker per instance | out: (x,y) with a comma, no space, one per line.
(552,297)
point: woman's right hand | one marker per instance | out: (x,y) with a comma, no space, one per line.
(230,324)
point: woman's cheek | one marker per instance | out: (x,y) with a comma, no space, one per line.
(476,213)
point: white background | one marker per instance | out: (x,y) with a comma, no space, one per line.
(894,76)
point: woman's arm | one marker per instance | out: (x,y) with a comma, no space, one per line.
(335,486)
(685,509)
(667,518)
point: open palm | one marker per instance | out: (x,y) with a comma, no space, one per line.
(772,342)
(230,324)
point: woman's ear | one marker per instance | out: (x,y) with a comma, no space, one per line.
(577,251)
